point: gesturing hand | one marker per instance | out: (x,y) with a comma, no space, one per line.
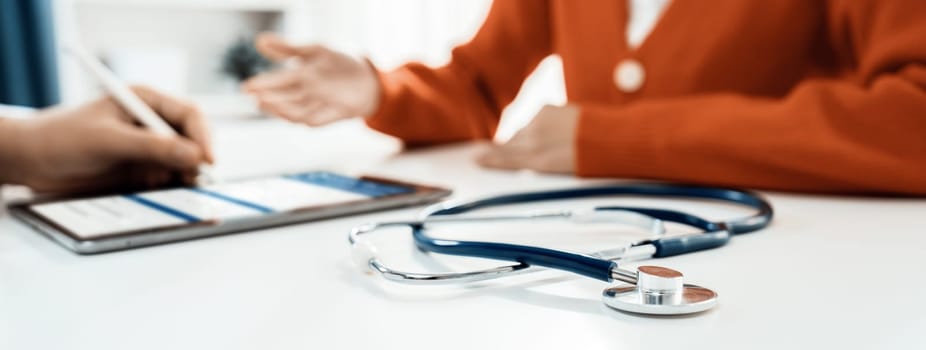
(547,144)
(318,86)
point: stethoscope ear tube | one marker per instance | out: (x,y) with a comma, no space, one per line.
(713,235)
(576,263)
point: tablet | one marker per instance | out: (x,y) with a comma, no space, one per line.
(117,222)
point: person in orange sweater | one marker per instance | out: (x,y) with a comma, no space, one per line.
(796,95)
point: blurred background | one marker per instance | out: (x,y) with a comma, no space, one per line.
(201,49)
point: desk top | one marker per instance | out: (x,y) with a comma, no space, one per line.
(831,272)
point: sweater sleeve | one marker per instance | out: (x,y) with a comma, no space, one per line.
(863,132)
(463,100)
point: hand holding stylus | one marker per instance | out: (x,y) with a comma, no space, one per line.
(134,106)
(99,146)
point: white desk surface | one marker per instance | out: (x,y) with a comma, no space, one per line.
(830,272)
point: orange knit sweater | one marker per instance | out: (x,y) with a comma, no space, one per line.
(802,95)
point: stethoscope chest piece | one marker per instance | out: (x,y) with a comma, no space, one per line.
(660,291)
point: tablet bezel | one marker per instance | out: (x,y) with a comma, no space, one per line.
(421,194)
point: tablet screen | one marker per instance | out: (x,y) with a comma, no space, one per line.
(101,216)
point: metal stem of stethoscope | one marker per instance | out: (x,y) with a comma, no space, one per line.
(657,290)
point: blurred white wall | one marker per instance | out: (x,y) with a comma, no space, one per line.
(392,32)
(193,33)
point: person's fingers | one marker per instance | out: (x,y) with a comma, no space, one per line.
(324,116)
(303,86)
(172,109)
(119,179)
(512,157)
(522,143)
(310,112)
(287,110)
(141,176)
(275,48)
(184,116)
(545,144)
(502,157)
(276,80)
(156,177)
(134,144)
(95,184)
(303,112)
(198,131)
(280,97)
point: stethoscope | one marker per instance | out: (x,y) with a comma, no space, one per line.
(654,290)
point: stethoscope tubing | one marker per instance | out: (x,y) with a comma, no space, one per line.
(761,219)
(715,234)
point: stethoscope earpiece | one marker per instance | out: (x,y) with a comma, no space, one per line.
(660,291)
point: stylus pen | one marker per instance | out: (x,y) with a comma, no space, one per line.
(131,102)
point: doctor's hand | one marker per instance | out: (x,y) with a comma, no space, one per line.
(98,146)
(317,85)
(546,144)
